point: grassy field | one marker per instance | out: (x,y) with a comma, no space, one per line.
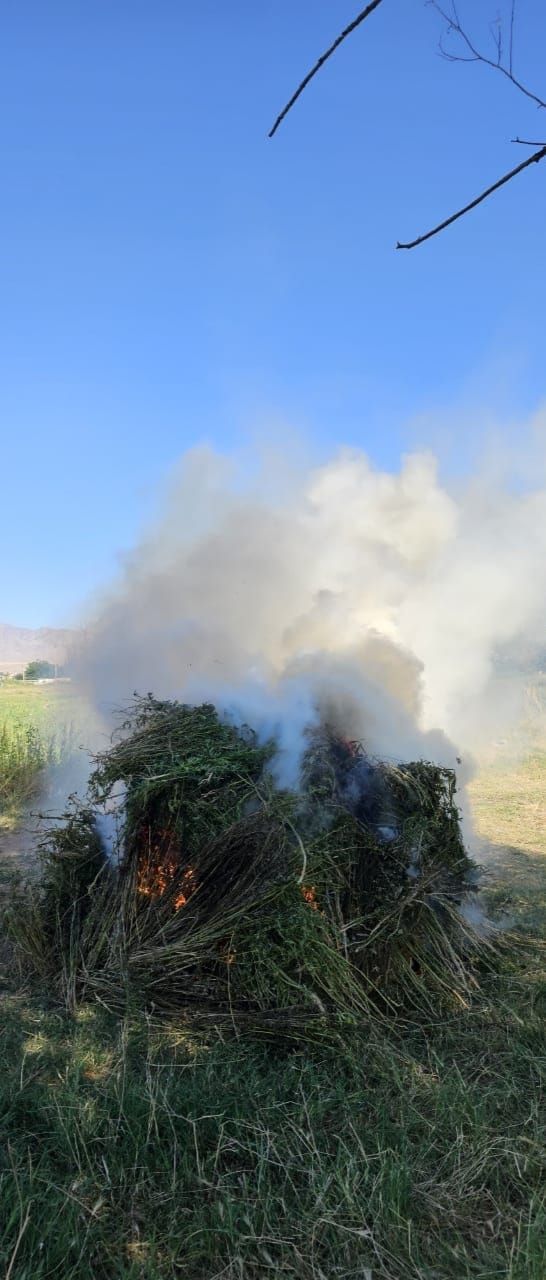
(42,705)
(509,803)
(127,1149)
(509,808)
(40,725)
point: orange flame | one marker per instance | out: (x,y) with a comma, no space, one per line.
(189,883)
(310,895)
(158,866)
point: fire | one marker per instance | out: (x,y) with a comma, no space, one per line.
(153,878)
(189,886)
(310,895)
(159,866)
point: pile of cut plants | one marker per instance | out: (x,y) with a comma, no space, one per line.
(231,901)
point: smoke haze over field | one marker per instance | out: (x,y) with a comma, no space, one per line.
(376,599)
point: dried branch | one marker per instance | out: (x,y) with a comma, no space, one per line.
(451,18)
(503,62)
(511,44)
(324,58)
(537,155)
(497,36)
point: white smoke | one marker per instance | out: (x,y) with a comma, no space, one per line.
(376,599)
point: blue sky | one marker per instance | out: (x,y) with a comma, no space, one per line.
(168,276)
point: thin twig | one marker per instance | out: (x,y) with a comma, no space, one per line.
(512,16)
(497,39)
(453,24)
(523,142)
(324,58)
(537,155)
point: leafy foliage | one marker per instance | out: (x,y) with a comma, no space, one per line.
(40,670)
(25,752)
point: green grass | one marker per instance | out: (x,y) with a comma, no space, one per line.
(25,753)
(39,725)
(128,1151)
(37,704)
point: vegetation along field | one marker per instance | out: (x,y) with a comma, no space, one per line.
(40,725)
(408,1150)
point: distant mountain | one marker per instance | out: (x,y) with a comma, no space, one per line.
(19,645)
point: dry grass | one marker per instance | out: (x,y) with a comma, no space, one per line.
(509,803)
(509,809)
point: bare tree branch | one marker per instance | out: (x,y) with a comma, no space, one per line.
(503,62)
(511,45)
(537,155)
(496,32)
(365,13)
(451,18)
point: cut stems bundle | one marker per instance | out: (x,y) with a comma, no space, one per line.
(232,901)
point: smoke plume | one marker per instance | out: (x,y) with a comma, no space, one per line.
(378,601)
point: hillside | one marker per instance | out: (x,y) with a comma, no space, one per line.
(19,645)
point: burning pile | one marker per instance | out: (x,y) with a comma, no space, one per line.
(231,899)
